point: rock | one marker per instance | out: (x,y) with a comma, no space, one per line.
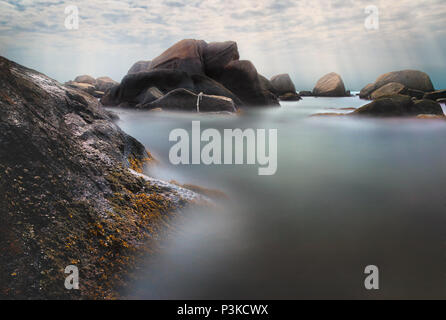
(330,85)
(131,87)
(185,100)
(186,55)
(441,100)
(140,66)
(241,78)
(290,97)
(283,84)
(367,91)
(105,83)
(389,89)
(417,94)
(435,95)
(86,87)
(85,79)
(149,95)
(398,105)
(98,94)
(266,84)
(211,87)
(305,93)
(431,117)
(412,79)
(76,192)
(217,55)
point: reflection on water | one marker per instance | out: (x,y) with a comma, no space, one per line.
(347,193)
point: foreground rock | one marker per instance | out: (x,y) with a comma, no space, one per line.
(330,85)
(66,196)
(185,100)
(398,106)
(412,79)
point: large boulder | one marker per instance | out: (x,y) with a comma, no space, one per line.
(283,84)
(330,85)
(241,78)
(216,55)
(185,100)
(435,95)
(186,55)
(367,91)
(140,66)
(209,86)
(105,83)
(397,106)
(389,89)
(67,197)
(85,79)
(149,95)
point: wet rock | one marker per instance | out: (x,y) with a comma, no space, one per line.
(330,85)
(397,106)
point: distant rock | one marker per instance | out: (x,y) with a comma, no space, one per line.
(185,100)
(266,84)
(216,55)
(290,97)
(283,84)
(411,79)
(85,79)
(140,66)
(390,89)
(397,106)
(330,85)
(241,78)
(83,86)
(435,95)
(185,55)
(104,83)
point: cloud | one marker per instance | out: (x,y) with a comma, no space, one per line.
(305,38)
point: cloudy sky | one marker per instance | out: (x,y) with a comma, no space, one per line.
(306,38)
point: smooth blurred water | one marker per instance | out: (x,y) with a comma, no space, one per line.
(348,193)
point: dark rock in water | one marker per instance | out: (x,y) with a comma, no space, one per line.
(290,97)
(185,100)
(283,84)
(266,84)
(305,93)
(85,79)
(105,83)
(435,95)
(241,78)
(66,196)
(140,66)
(186,55)
(131,87)
(389,89)
(209,86)
(216,55)
(417,94)
(330,85)
(398,105)
(149,95)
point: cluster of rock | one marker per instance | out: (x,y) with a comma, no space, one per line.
(402,93)
(193,75)
(95,87)
(330,85)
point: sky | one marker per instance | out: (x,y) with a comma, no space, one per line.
(305,38)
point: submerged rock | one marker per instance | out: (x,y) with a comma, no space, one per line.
(399,105)
(66,196)
(330,85)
